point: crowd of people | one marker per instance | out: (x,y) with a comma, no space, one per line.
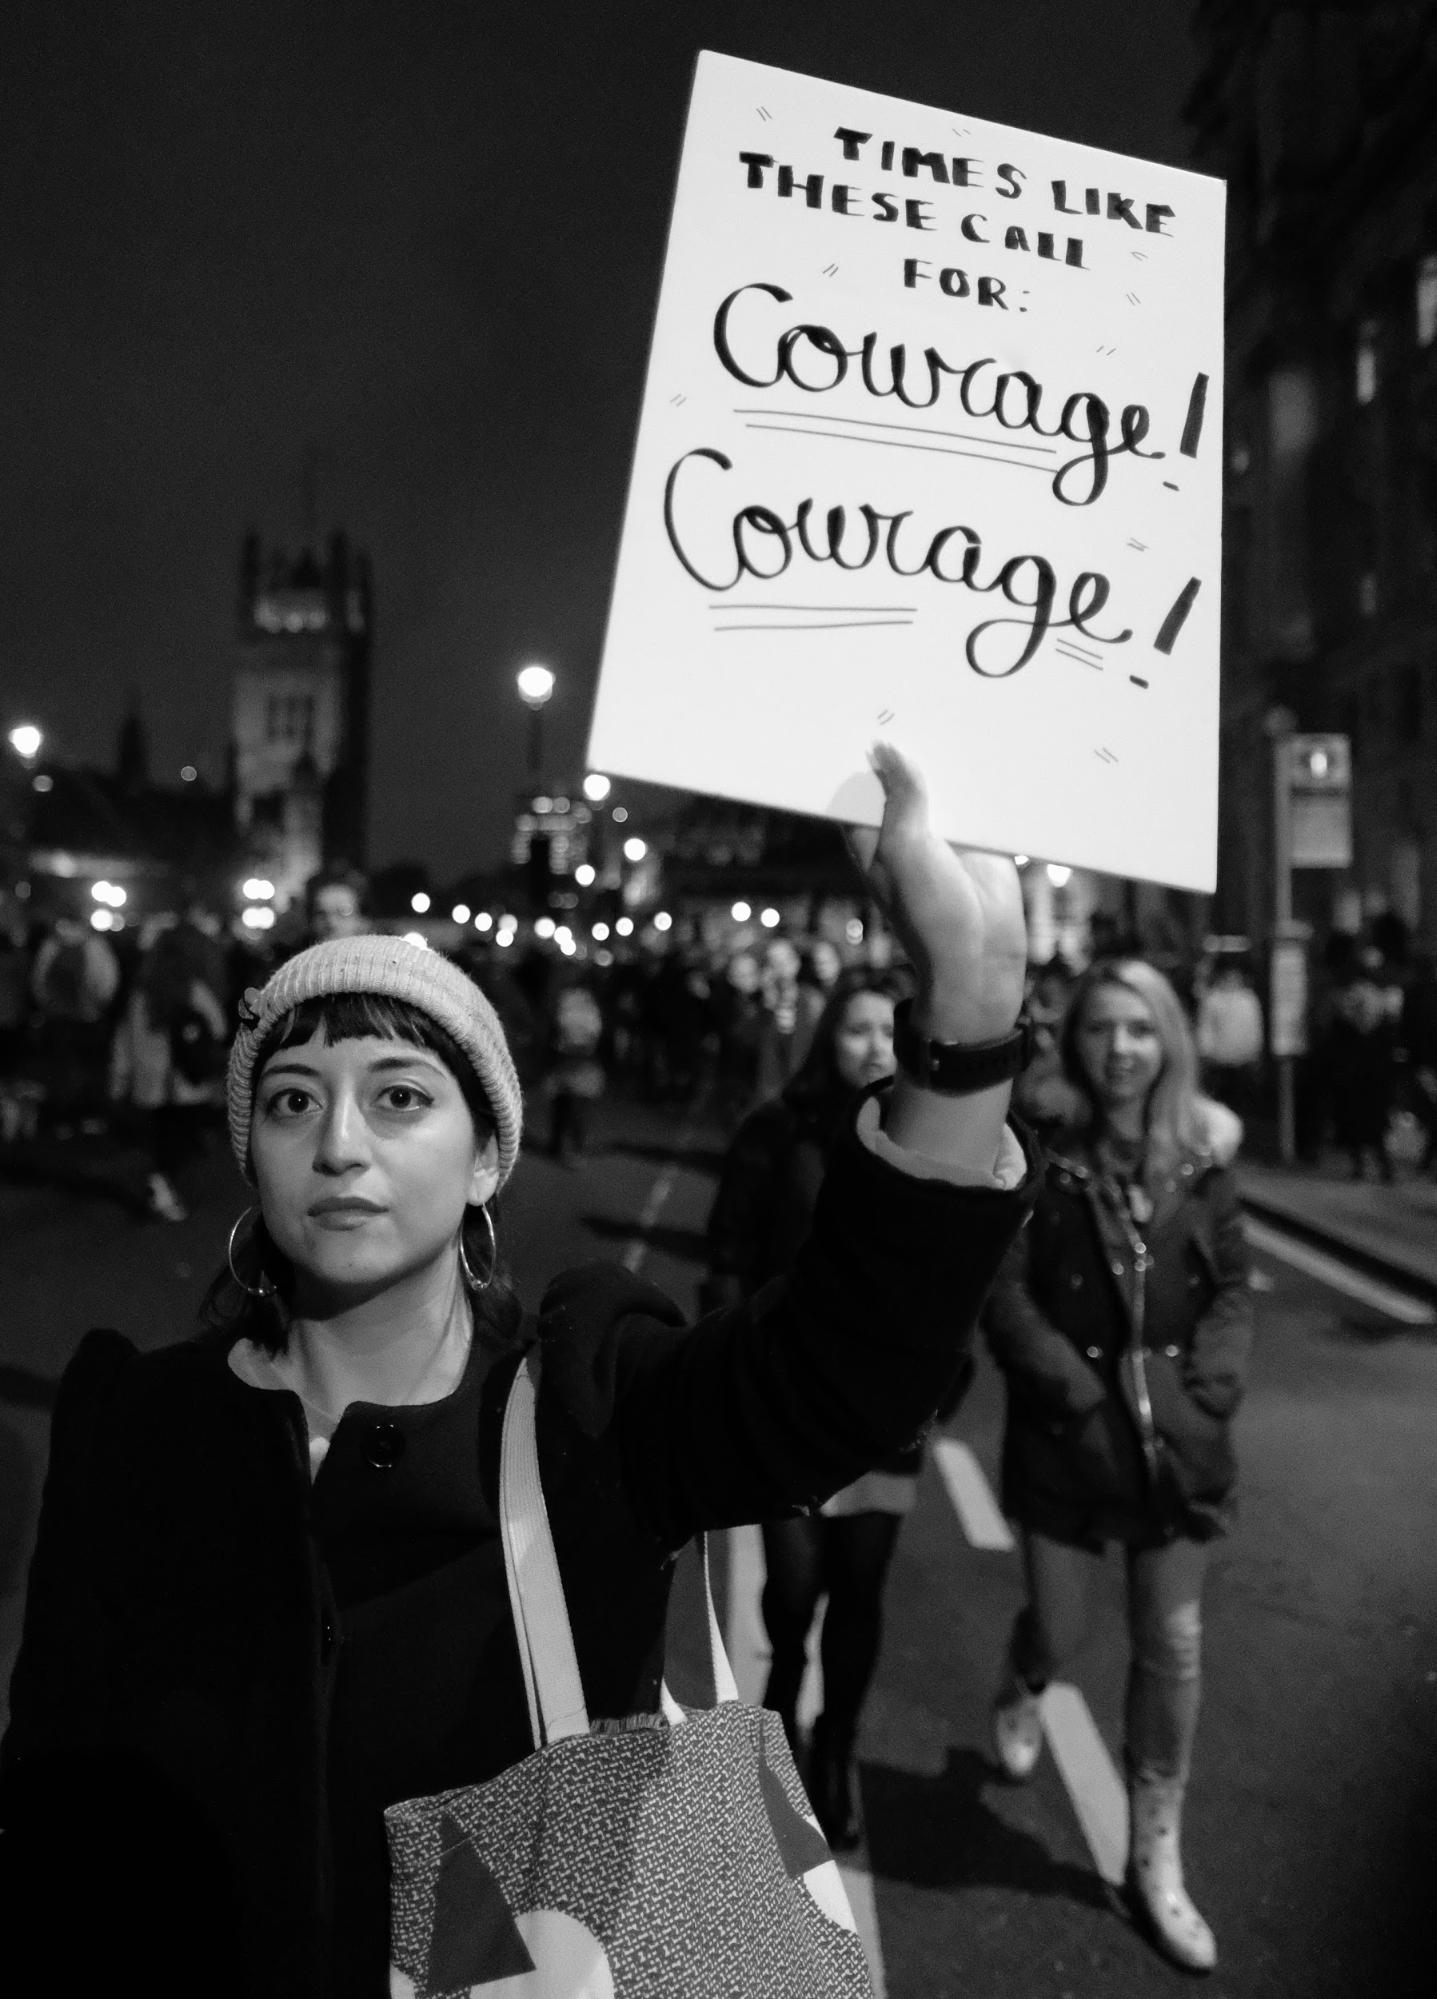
(868,1205)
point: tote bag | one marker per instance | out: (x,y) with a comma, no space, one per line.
(677,1860)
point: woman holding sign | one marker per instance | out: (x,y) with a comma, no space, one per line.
(268,1603)
(1122,1322)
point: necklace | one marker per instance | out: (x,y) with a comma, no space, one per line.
(411,1396)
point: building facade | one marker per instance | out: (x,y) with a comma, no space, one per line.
(300,709)
(1320,118)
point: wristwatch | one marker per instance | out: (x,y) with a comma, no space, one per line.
(957,1068)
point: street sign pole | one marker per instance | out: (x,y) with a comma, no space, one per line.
(1281,929)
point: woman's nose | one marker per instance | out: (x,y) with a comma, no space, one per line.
(341,1135)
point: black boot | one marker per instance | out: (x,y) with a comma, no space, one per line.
(833,1787)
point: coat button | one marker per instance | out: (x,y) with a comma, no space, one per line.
(1095,1353)
(1076,1280)
(1172,1352)
(1117,1266)
(384,1446)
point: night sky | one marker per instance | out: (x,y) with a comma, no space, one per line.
(418,243)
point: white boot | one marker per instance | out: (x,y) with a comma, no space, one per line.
(1017,1730)
(1155,1874)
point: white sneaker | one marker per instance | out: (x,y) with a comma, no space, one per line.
(1017,1726)
(163,1202)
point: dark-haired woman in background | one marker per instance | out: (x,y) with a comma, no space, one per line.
(1122,1323)
(760,1219)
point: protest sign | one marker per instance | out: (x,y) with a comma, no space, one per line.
(930,448)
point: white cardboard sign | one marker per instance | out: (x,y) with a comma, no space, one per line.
(930,448)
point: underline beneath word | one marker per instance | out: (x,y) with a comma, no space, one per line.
(861,610)
(912,429)
(897,444)
(835,625)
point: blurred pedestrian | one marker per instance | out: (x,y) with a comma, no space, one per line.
(1229,1036)
(761,1217)
(1360,1063)
(1122,1323)
(167,1058)
(268,1599)
(818,973)
(336,904)
(74,981)
(741,1020)
(574,1078)
(778,1042)
(1417,1035)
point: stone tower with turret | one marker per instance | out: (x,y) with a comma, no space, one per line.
(300,708)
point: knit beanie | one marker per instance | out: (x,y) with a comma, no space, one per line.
(399,970)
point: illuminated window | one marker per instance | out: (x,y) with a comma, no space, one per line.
(1426,301)
(1365,372)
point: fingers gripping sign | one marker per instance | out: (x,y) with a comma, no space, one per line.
(959,915)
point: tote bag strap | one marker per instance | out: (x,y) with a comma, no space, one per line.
(536,1593)
(550,1665)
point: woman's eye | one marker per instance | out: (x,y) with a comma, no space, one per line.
(289,1102)
(406,1097)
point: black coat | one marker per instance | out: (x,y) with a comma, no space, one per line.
(165,1771)
(1122,1384)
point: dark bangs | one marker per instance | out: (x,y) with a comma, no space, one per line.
(362,1016)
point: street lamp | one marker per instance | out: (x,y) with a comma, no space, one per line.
(26,741)
(535,684)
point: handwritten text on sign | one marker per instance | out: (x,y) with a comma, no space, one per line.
(929,448)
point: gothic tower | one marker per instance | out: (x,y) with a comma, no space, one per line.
(300,708)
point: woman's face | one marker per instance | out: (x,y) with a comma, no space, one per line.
(863,1041)
(1119,1046)
(365,1157)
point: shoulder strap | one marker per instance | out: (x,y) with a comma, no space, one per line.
(547,1657)
(536,1593)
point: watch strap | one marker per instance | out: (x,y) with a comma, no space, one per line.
(959,1068)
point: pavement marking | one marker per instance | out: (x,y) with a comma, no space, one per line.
(865,1914)
(747,1644)
(1399,1305)
(638,1249)
(972,1498)
(659,1193)
(1090,1776)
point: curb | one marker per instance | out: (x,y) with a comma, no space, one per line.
(1401,1276)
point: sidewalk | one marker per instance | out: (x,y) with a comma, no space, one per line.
(1391,1232)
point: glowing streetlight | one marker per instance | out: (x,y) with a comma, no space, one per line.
(544,927)
(584,875)
(740,912)
(635,848)
(599,932)
(596,787)
(26,741)
(460,912)
(663,921)
(624,927)
(419,903)
(769,919)
(536,685)
(483,921)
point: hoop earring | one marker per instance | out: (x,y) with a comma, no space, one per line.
(466,1270)
(265,1287)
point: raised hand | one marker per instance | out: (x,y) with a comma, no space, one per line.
(958,913)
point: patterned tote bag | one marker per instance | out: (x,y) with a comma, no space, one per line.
(674,1861)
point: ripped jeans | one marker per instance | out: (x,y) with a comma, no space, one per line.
(1164,1630)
